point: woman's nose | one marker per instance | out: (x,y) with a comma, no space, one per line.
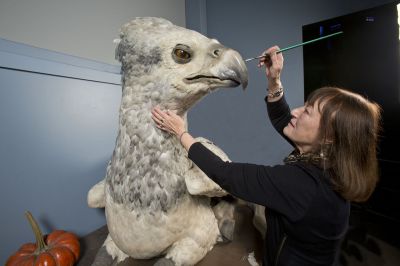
(296,112)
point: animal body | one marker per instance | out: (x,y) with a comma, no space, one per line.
(157,202)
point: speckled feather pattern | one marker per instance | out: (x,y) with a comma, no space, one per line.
(148,206)
(147,167)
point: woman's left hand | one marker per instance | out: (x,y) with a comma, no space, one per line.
(168,121)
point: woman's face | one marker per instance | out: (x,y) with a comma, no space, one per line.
(303,128)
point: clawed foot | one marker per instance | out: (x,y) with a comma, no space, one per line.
(224,212)
(227,229)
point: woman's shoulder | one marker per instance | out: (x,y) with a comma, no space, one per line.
(300,168)
(310,168)
(299,175)
(323,180)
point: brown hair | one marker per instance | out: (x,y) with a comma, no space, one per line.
(349,129)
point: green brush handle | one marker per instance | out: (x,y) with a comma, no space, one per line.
(267,58)
(307,42)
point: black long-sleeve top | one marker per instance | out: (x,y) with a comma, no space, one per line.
(306,218)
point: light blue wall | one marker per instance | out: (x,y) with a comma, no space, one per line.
(58,124)
(236,120)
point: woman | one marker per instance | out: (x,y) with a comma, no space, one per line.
(307,198)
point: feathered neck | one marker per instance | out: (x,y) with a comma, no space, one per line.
(148,165)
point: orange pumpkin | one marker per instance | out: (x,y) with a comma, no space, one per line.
(60,248)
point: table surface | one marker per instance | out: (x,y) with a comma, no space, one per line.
(246,240)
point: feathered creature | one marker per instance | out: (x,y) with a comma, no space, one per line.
(153,194)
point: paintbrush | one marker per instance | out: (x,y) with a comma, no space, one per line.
(296,45)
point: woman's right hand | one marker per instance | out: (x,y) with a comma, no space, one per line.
(273,66)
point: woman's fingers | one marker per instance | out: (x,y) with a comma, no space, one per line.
(163,120)
(157,117)
(156,120)
(270,57)
(160,114)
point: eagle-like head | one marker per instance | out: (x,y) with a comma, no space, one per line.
(173,66)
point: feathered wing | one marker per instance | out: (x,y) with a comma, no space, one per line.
(96,195)
(197,182)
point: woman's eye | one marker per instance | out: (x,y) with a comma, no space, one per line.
(182,54)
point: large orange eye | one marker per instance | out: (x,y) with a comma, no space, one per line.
(182,54)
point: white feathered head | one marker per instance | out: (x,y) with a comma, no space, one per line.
(175,66)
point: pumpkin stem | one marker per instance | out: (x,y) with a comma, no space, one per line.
(40,244)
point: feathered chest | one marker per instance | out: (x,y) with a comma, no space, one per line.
(147,167)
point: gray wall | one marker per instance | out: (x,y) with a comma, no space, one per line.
(59,118)
(236,120)
(59,113)
(84,28)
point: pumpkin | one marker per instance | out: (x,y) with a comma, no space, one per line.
(59,248)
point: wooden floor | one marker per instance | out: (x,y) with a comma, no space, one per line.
(246,240)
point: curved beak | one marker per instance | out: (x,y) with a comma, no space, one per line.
(225,70)
(232,66)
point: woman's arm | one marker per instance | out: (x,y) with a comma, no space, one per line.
(276,187)
(287,189)
(279,115)
(278,109)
